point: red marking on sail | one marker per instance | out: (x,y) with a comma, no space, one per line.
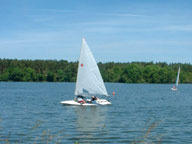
(81,65)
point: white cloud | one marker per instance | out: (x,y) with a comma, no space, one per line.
(50,11)
(122,14)
(178,28)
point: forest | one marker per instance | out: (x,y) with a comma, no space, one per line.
(64,71)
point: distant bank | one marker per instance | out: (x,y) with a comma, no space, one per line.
(64,71)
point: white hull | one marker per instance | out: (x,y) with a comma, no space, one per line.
(173,89)
(74,103)
(103,102)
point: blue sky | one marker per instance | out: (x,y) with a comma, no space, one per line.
(116,30)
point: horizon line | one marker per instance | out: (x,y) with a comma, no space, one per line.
(155,62)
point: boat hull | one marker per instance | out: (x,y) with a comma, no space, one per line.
(74,103)
(103,102)
(173,89)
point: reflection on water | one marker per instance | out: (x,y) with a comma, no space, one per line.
(89,121)
(90,118)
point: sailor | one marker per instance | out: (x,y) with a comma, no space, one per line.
(174,87)
(93,98)
(80,99)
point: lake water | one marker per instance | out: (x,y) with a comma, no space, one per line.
(140,113)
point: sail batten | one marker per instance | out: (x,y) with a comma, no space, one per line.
(89,80)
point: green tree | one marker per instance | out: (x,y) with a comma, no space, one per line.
(16,74)
(4,76)
(51,77)
(53,70)
(29,75)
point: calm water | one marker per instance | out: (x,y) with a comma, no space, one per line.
(31,112)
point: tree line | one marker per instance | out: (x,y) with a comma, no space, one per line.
(64,71)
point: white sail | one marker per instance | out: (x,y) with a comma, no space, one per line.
(89,81)
(177,80)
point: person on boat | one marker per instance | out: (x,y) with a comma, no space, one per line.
(93,98)
(174,87)
(80,99)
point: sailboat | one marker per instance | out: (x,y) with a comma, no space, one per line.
(174,88)
(89,81)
